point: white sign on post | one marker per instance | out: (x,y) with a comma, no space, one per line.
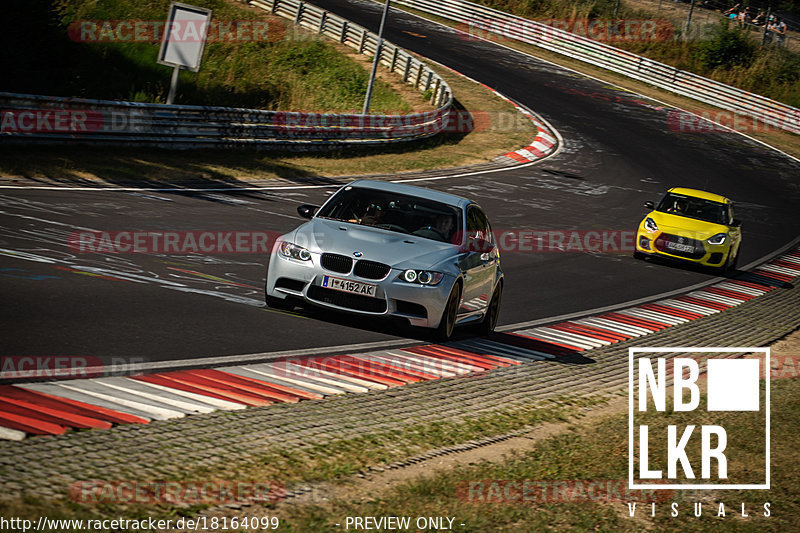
(184,40)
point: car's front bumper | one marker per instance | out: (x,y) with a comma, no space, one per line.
(421,305)
(657,243)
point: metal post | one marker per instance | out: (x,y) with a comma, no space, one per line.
(689,19)
(173,85)
(377,59)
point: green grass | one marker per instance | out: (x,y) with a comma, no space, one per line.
(291,70)
(332,461)
(77,165)
(598,452)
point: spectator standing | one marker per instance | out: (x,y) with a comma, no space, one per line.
(746,16)
(779,28)
(768,31)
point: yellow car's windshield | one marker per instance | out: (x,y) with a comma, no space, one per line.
(691,207)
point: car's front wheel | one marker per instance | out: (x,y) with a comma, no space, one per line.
(448,321)
(733,260)
(489,322)
(729,265)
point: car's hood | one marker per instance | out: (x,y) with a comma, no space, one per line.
(396,249)
(687,227)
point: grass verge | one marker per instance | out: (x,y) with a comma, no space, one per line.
(595,452)
(332,461)
(109,50)
(76,165)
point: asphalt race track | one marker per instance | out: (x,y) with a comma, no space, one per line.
(618,152)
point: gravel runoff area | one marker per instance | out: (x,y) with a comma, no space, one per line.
(45,467)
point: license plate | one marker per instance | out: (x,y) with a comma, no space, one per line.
(680,247)
(346,285)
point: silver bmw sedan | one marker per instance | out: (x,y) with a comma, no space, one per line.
(385,249)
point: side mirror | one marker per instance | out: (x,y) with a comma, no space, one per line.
(650,205)
(736,223)
(307,210)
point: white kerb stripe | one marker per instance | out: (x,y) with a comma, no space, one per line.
(271,380)
(508,350)
(711,297)
(345,379)
(329,386)
(584,340)
(614,325)
(449,364)
(157,413)
(653,315)
(226,405)
(55,390)
(11,434)
(545,337)
(781,269)
(406,364)
(740,288)
(322,376)
(686,306)
(425,364)
(164,397)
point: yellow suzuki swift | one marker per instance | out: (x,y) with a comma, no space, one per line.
(691,225)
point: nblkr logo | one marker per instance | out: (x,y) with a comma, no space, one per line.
(697,455)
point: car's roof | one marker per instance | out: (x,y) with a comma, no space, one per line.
(700,194)
(411,190)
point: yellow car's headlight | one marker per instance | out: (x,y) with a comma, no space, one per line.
(717,239)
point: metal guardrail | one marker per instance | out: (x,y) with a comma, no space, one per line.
(473,16)
(54,120)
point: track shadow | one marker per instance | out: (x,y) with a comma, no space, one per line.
(562,355)
(735,274)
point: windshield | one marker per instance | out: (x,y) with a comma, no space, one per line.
(691,207)
(395,212)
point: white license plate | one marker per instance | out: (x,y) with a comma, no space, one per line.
(680,247)
(346,285)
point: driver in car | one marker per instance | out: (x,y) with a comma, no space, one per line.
(444,225)
(679,207)
(373,215)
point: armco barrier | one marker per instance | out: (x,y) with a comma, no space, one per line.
(43,119)
(484,19)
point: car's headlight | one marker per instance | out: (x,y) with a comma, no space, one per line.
(293,251)
(650,224)
(719,238)
(423,277)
